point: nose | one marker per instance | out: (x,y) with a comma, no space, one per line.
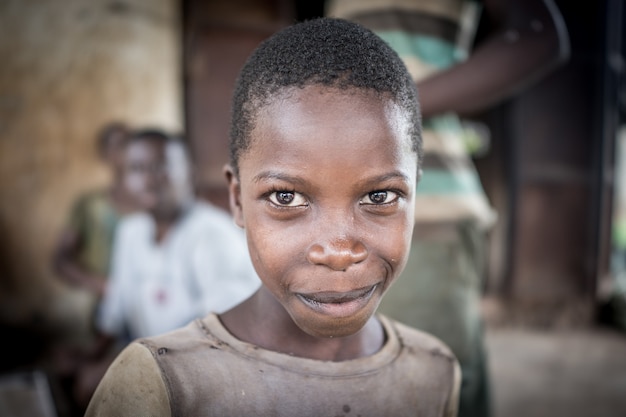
(156,177)
(338,254)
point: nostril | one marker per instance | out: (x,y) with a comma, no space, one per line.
(315,254)
(338,255)
(359,252)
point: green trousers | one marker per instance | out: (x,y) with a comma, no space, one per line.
(439,292)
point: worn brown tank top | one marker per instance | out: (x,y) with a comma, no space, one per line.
(208,372)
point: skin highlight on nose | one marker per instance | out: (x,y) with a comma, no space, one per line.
(338,254)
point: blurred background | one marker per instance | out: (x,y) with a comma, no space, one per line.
(552,169)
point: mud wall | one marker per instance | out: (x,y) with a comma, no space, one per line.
(68,67)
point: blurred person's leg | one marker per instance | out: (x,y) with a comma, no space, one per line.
(439,292)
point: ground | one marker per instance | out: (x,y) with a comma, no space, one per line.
(574,372)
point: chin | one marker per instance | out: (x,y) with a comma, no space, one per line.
(333,327)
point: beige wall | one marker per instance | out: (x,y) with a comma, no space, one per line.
(66,68)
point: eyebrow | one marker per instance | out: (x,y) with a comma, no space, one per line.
(389,176)
(273,175)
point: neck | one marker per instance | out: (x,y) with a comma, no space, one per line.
(167,215)
(164,220)
(261,320)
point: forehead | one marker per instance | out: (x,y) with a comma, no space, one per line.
(326,126)
(144,149)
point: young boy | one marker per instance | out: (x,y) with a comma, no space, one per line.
(325,151)
(177,260)
(82,254)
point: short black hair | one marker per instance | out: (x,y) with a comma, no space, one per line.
(108,132)
(149,135)
(324,51)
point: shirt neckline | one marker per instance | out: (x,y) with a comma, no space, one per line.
(212,326)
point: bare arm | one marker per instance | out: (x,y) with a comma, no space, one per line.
(529,40)
(66,265)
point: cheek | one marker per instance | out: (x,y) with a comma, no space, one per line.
(267,248)
(393,242)
(134,183)
(405,237)
(274,249)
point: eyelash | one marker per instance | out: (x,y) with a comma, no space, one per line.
(274,191)
(397,194)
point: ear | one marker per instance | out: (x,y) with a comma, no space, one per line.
(234,195)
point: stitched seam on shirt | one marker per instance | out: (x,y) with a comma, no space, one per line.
(153,351)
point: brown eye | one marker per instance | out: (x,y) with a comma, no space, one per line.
(284,197)
(378,197)
(287,199)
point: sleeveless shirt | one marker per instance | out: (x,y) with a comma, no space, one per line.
(203,370)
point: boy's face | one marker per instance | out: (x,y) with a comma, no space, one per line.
(326,194)
(145,173)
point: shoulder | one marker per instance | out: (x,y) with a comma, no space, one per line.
(204,217)
(132,386)
(95,195)
(419,340)
(135,223)
(139,381)
(183,339)
(90,206)
(87,200)
(433,358)
(425,351)
(207,212)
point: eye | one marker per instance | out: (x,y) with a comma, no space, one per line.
(380,197)
(287,199)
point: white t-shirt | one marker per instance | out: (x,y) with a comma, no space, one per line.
(202,265)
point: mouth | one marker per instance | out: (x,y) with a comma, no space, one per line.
(339,304)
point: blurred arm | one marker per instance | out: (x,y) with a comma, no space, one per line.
(111,315)
(528,41)
(66,265)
